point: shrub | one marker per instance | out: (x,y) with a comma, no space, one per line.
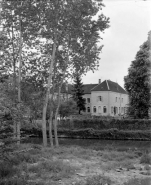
(106,134)
(18,158)
(34,168)
(6,170)
(99,124)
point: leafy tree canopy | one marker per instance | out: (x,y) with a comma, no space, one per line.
(137,82)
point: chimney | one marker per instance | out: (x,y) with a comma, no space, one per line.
(99,81)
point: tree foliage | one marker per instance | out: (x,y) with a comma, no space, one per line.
(137,82)
(56,34)
(67,108)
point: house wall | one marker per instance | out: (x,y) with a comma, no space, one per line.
(95,102)
(120,101)
(109,101)
(88,104)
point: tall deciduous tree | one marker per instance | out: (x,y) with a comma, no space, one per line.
(137,82)
(67,24)
(78,93)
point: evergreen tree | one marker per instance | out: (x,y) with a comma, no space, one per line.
(78,93)
(137,83)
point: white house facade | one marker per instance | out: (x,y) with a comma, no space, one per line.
(106,98)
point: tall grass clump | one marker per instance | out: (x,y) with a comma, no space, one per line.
(56,169)
(6,169)
(96,180)
(145,159)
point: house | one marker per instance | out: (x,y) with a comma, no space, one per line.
(106,98)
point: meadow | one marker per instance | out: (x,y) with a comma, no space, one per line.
(31,164)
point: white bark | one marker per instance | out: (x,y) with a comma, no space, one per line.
(50,129)
(44,129)
(19,83)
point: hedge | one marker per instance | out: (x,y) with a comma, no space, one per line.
(99,129)
(112,134)
(89,133)
(99,124)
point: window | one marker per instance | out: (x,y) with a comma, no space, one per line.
(100,98)
(94,109)
(88,100)
(88,109)
(84,100)
(125,110)
(116,110)
(122,99)
(104,109)
(112,110)
(119,99)
(119,109)
(99,109)
(122,109)
(116,99)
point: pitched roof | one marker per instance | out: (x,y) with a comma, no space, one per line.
(108,85)
(87,88)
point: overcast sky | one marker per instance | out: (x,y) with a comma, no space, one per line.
(130,22)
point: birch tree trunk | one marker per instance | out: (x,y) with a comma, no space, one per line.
(59,91)
(56,115)
(57,110)
(50,129)
(19,83)
(51,118)
(44,129)
(14,80)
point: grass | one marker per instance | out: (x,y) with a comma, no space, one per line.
(118,156)
(96,180)
(6,170)
(137,181)
(56,169)
(14,181)
(35,165)
(145,159)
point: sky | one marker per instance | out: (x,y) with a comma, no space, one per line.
(130,22)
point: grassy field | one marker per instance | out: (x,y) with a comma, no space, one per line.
(35,165)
